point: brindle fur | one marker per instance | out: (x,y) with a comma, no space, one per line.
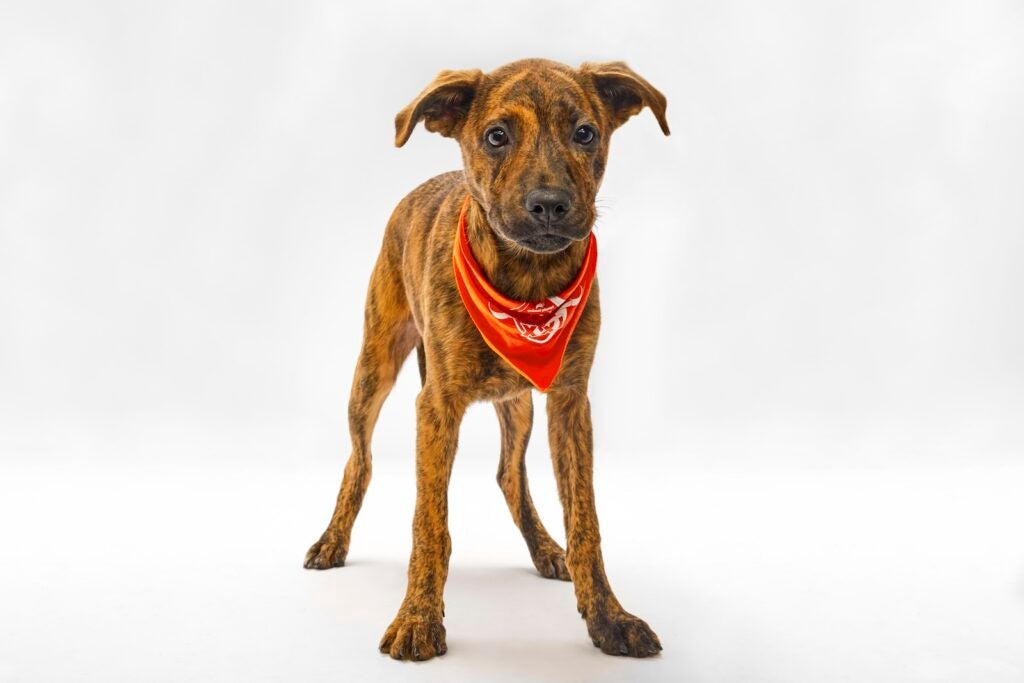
(413,302)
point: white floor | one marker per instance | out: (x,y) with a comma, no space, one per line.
(161,557)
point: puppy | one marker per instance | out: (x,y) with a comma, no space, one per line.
(488,273)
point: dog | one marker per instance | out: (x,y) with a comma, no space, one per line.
(534,136)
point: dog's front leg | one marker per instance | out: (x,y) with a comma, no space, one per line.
(613,629)
(417,631)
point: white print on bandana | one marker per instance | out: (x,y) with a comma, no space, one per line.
(544,332)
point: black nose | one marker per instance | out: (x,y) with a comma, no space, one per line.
(547,205)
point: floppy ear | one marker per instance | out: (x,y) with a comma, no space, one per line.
(624,92)
(442,105)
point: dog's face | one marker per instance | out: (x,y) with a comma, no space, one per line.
(534,137)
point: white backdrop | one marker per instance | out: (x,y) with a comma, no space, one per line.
(819,273)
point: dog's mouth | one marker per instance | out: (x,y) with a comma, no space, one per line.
(540,239)
(547,243)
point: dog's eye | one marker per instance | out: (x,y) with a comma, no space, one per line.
(497,137)
(584,135)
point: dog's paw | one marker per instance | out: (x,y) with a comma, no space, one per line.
(414,638)
(325,553)
(550,562)
(623,635)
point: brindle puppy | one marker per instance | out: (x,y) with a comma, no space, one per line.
(534,136)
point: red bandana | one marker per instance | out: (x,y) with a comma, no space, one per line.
(530,335)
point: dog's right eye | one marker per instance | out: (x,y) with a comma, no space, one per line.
(497,137)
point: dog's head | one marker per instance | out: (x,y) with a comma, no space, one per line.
(534,137)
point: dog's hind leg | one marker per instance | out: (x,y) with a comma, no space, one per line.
(389,334)
(515,416)
(421,361)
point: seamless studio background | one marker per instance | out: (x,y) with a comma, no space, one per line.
(808,391)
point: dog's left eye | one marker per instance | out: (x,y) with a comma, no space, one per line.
(584,135)
(497,137)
